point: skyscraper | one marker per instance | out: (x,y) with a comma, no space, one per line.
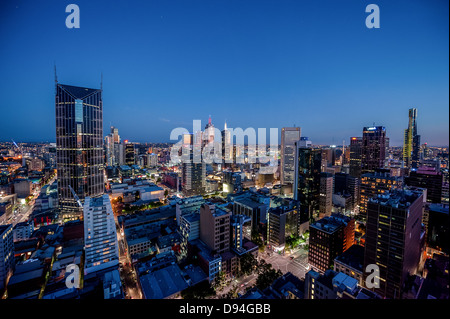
(6,254)
(393,238)
(411,142)
(79,145)
(289,135)
(376,183)
(373,152)
(100,238)
(193,178)
(307,179)
(130,154)
(326,194)
(114,149)
(355,156)
(227,147)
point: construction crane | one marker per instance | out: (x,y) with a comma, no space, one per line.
(76,197)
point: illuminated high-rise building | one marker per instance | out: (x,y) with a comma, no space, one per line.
(411,142)
(289,136)
(355,156)
(307,179)
(79,146)
(130,154)
(100,238)
(393,232)
(373,151)
(193,177)
(376,183)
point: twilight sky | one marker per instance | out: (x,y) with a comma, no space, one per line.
(253,63)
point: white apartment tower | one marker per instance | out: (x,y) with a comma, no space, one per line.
(100,239)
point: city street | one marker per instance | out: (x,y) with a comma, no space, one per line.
(21,212)
(296,263)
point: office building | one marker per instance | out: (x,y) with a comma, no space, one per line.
(188,205)
(79,146)
(376,183)
(289,136)
(254,206)
(393,233)
(326,194)
(355,156)
(283,221)
(100,238)
(373,151)
(347,184)
(429,178)
(130,154)
(232,182)
(437,228)
(239,225)
(351,263)
(307,179)
(334,285)
(329,237)
(215,227)
(193,177)
(6,254)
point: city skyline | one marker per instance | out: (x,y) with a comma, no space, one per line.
(251,66)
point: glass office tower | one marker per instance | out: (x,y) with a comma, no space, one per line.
(289,136)
(79,146)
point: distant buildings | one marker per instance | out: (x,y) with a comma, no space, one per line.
(411,142)
(356,144)
(326,194)
(130,154)
(373,149)
(79,145)
(289,136)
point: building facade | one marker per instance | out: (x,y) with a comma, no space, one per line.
(79,145)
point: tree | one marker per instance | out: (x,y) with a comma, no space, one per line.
(266,275)
(232,293)
(220,281)
(248,264)
(200,291)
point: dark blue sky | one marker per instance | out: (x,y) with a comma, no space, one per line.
(253,63)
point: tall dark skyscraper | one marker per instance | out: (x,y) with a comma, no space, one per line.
(193,175)
(130,154)
(355,156)
(308,163)
(373,151)
(79,146)
(289,136)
